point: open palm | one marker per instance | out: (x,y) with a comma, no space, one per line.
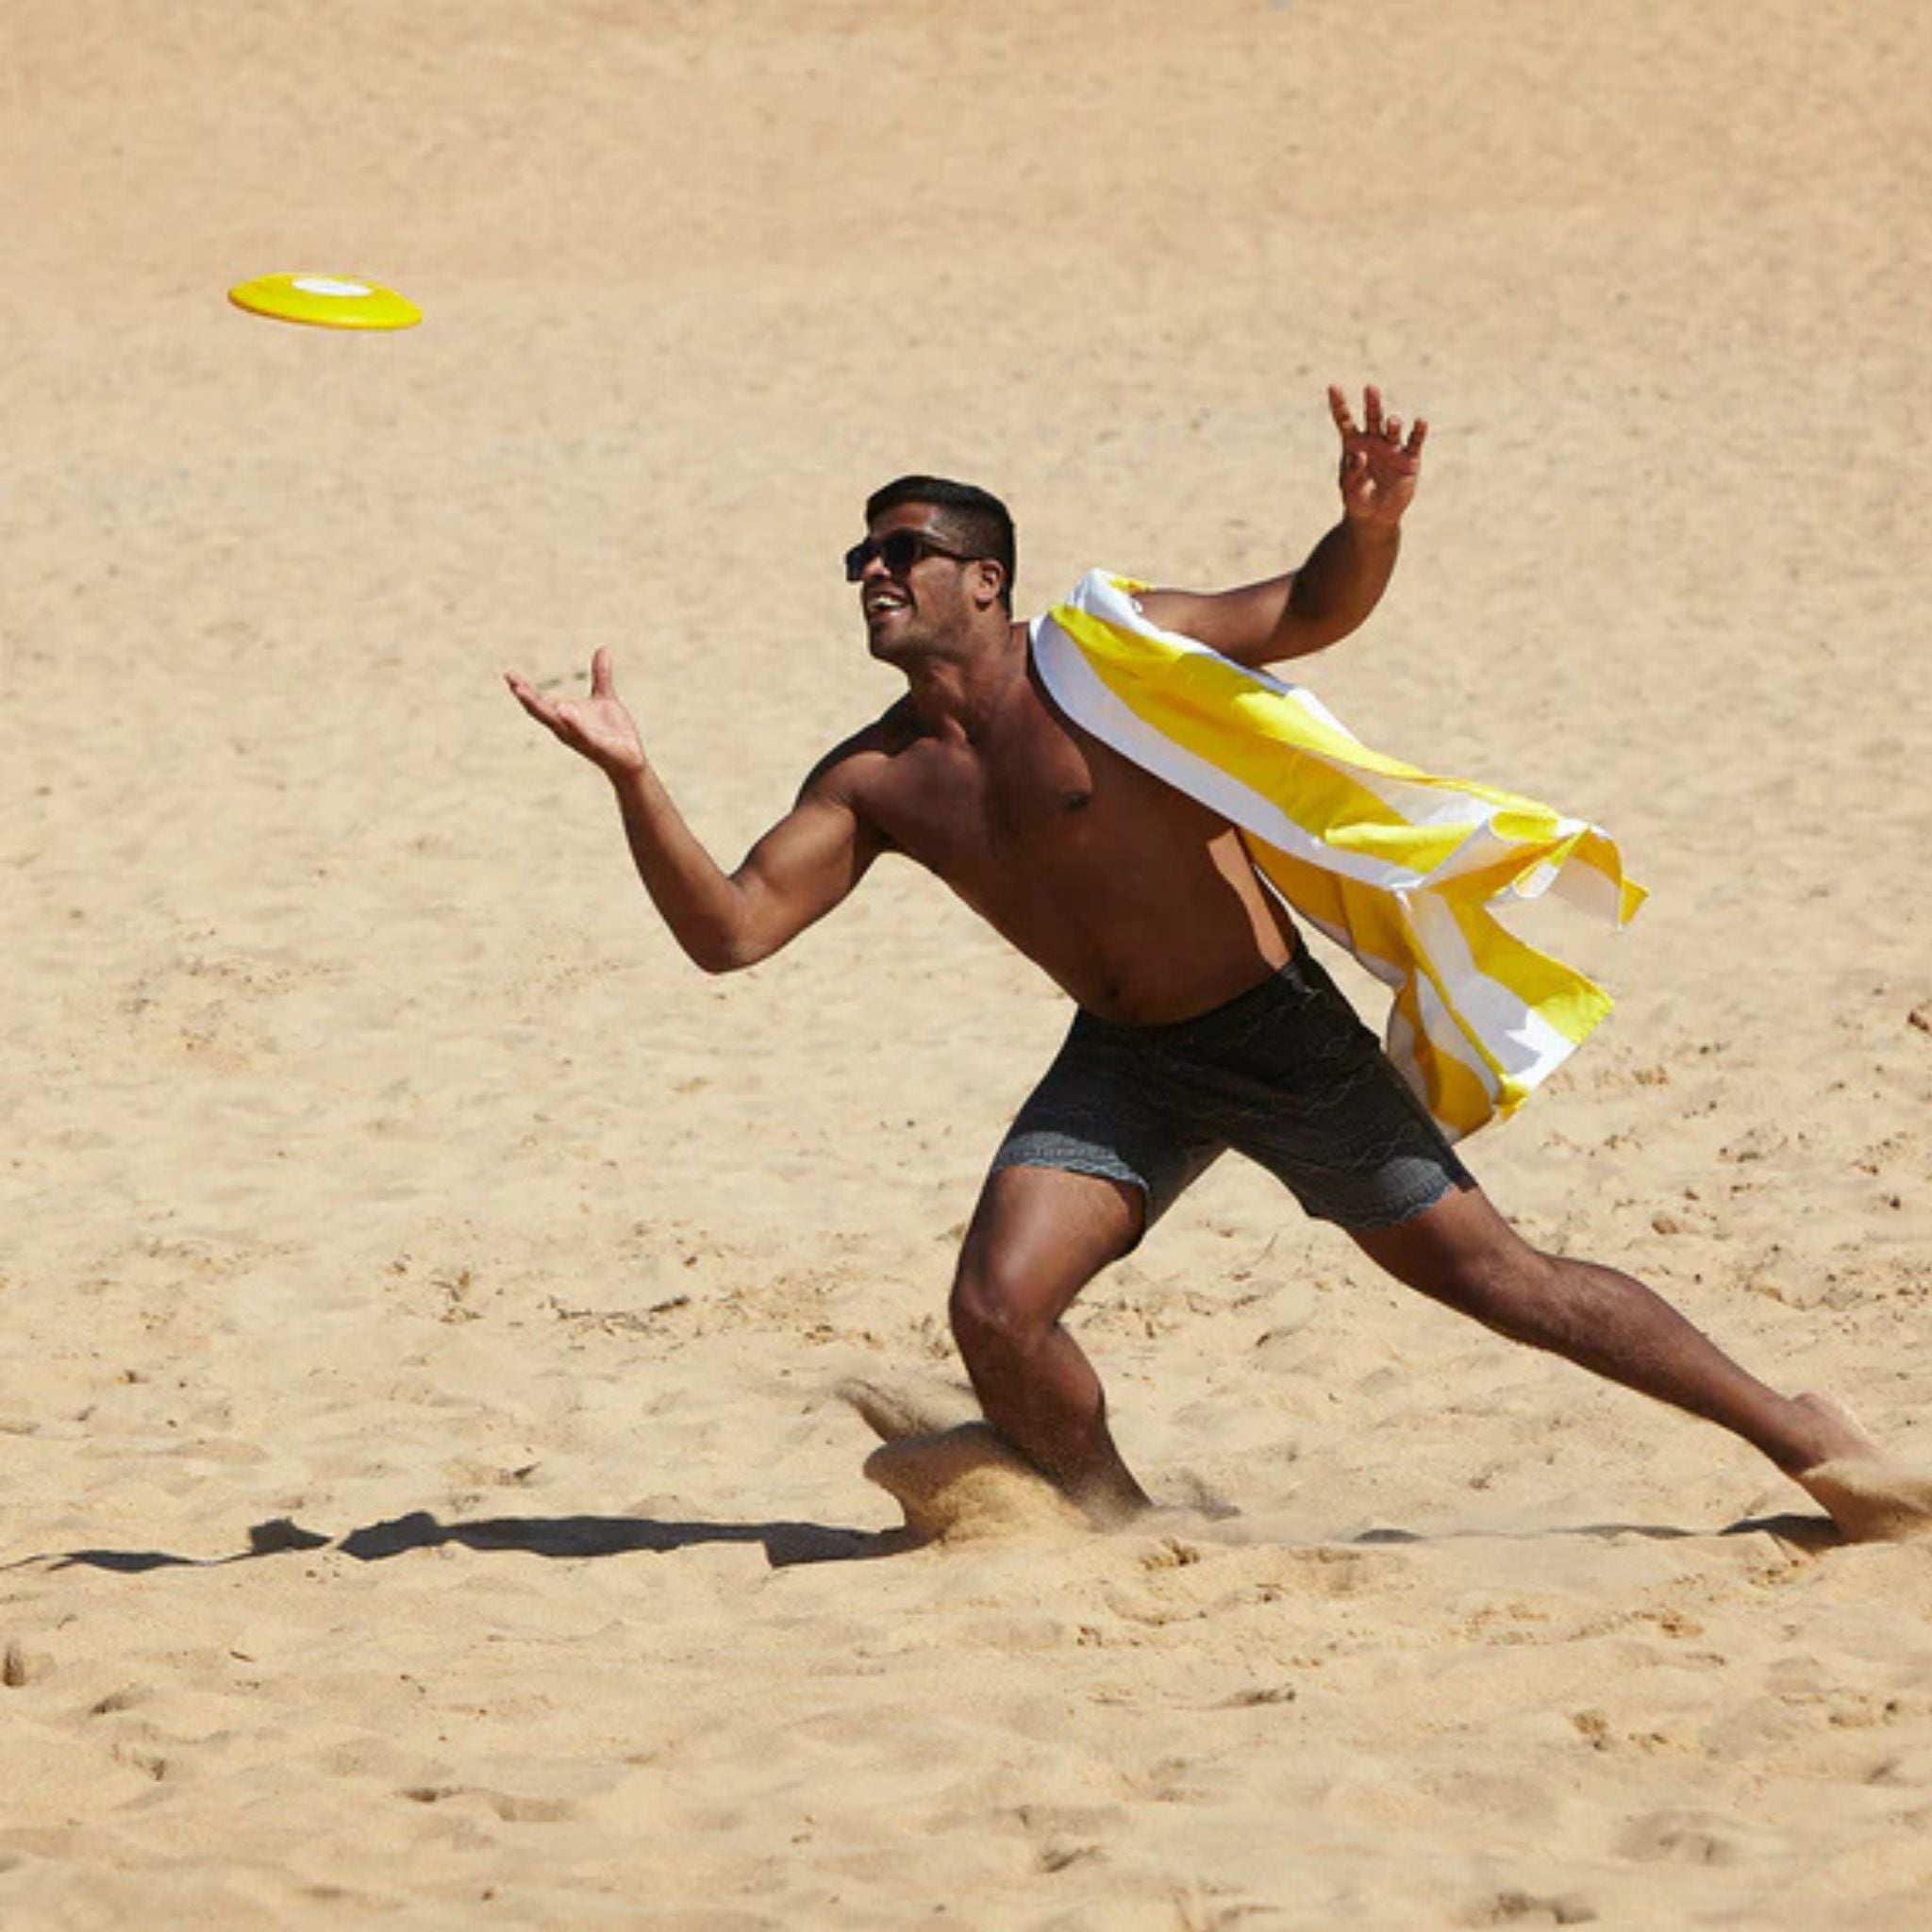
(597,727)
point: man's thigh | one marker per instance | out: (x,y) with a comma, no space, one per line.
(1462,1241)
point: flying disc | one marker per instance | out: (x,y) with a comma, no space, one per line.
(326,302)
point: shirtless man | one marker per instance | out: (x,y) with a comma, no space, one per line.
(1203,1022)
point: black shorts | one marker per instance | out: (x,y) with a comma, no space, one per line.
(1284,1073)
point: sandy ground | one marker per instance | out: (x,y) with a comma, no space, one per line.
(425,1502)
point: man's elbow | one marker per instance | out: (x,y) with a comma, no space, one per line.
(1318,633)
(717,950)
(717,956)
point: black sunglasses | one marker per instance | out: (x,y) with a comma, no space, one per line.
(898,550)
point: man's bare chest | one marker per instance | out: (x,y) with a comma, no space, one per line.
(1028,801)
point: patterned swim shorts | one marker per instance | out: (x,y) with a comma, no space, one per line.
(1284,1073)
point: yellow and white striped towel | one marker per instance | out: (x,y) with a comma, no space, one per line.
(1401,868)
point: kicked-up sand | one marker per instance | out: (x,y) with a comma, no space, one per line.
(424,1299)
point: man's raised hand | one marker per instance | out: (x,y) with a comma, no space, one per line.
(1378,469)
(597,727)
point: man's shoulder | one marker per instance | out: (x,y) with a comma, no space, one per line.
(897,730)
(843,770)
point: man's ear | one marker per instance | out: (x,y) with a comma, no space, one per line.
(989,579)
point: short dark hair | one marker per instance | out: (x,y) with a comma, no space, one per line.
(975,517)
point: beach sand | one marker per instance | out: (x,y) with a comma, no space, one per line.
(423,1297)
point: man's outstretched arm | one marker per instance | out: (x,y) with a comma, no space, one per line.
(802,867)
(1345,573)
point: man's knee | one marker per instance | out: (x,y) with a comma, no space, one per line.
(1508,1284)
(1537,1298)
(1037,1236)
(991,1313)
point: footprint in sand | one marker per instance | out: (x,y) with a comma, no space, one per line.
(957,1481)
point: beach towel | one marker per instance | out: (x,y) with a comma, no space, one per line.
(1403,869)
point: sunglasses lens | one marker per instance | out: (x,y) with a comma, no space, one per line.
(898,550)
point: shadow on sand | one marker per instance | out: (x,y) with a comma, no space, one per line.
(785,1544)
(1809,1533)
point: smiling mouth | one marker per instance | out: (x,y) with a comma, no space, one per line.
(884,604)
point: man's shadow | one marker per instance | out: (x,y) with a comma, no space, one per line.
(784,1543)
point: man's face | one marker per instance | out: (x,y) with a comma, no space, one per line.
(909,603)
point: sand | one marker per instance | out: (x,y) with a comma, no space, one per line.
(423,1297)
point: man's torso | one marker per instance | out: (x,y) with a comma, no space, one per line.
(1138,900)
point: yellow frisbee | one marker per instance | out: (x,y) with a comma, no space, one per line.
(326,302)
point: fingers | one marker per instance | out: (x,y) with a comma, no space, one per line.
(558,715)
(1387,428)
(549,715)
(542,711)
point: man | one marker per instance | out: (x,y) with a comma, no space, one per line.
(1203,1022)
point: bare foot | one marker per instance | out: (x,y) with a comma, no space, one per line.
(1870,1496)
(1872,1502)
(1837,1434)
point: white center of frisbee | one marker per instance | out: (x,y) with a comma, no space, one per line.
(326,285)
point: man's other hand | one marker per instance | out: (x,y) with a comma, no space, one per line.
(1378,469)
